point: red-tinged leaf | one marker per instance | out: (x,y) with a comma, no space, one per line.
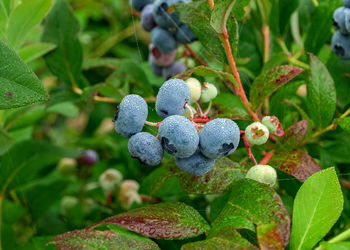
(217,180)
(296,163)
(94,239)
(294,137)
(269,82)
(169,220)
(269,237)
(260,204)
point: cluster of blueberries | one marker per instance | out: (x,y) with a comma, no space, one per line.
(195,152)
(167,32)
(341,39)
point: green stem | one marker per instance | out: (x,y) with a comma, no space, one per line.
(339,238)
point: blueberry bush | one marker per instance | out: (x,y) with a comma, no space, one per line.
(174,124)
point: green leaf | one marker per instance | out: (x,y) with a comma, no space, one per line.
(24,18)
(321,96)
(197,16)
(111,63)
(336,246)
(320,26)
(296,163)
(260,204)
(230,106)
(293,137)
(222,11)
(269,82)
(280,16)
(34,51)
(19,86)
(236,242)
(224,173)
(344,123)
(5,140)
(108,239)
(67,109)
(61,29)
(24,160)
(317,206)
(168,220)
(225,235)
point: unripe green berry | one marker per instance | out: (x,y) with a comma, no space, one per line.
(271,122)
(110,179)
(209,92)
(195,88)
(263,173)
(67,203)
(67,166)
(257,133)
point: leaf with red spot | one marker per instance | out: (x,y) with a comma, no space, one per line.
(269,82)
(294,137)
(95,239)
(224,173)
(296,163)
(168,220)
(260,204)
(269,237)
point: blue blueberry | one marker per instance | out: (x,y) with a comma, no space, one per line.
(218,138)
(347,21)
(339,19)
(163,40)
(184,34)
(346,3)
(172,98)
(139,4)
(174,69)
(146,148)
(147,20)
(155,68)
(178,136)
(341,45)
(162,17)
(131,115)
(197,164)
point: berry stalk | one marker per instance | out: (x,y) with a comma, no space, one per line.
(246,143)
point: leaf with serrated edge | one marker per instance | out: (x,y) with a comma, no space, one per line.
(269,82)
(19,86)
(168,220)
(296,163)
(317,206)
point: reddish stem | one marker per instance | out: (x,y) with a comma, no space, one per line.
(201,120)
(246,143)
(240,91)
(109,198)
(194,55)
(267,157)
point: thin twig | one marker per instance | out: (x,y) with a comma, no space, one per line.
(194,55)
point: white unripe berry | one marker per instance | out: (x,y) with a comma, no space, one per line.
(195,88)
(110,179)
